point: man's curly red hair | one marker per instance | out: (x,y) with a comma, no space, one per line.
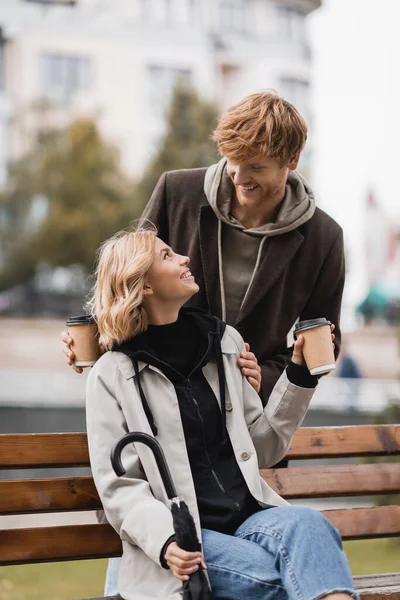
(262,123)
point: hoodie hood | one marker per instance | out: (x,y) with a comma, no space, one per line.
(298,205)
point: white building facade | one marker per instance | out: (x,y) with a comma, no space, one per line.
(118,60)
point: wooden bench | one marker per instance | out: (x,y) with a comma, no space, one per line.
(346,478)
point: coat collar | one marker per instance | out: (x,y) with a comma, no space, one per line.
(228,346)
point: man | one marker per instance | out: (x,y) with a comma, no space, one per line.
(262,253)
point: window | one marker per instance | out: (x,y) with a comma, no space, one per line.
(161,83)
(296,91)
(232,15)
(62,76)
(2,61)
(291,23)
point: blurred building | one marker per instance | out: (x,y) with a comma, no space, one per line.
(119,60)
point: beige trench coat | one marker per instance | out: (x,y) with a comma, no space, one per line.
(136,504)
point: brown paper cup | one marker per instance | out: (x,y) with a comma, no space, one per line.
(317,347)
(85,343)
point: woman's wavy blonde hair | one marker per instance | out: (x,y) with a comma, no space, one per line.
(116,299)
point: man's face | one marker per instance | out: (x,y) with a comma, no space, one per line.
(259,181)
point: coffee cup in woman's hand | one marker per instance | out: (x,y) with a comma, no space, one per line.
(69,353)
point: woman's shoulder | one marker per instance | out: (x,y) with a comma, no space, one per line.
(232,340)
(109,364)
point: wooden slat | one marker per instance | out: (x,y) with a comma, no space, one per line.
(372,587)
(53,544)
(384,586)
(376,594)
(29,450)
(79,493)
(334,481)
(70,449)
(48,495)
(366,523)
(72,542)
(355,440)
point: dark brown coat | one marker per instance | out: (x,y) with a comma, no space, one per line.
(301,273)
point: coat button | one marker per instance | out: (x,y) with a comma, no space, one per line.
(245,456)
(228,406)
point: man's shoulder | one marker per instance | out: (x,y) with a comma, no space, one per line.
(188,176)
(321,221)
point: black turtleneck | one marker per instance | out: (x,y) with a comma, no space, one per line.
(180,344)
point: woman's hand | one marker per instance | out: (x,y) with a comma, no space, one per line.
(249,366)
(69,354)
(298,357)
(182,563)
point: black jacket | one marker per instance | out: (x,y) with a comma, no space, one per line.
(223,498)
(300,275)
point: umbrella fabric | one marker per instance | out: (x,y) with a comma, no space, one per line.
(197,587)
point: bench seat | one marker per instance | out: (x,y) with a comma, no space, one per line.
(348,477)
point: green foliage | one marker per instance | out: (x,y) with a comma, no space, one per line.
(76,173)
(187,143)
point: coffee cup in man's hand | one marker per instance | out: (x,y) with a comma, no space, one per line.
(317,346)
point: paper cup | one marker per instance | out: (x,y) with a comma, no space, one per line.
(317,347)
(85,340)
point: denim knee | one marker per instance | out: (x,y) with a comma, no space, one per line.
(303,516)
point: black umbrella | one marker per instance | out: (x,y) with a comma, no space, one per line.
(197,587)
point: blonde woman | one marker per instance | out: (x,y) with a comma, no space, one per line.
(172,372)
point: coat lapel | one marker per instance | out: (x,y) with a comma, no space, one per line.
(208,228)
(277,253)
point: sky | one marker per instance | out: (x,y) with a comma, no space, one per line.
(356,102)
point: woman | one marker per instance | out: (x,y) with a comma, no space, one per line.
(173,374)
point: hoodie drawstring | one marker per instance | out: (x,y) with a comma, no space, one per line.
(221,379)
(146,407)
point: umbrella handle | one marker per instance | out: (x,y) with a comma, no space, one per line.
(154,445)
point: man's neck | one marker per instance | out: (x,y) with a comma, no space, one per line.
(252,218)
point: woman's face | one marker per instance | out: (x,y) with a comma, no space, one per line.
(169,278)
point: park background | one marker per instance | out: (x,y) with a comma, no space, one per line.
(98,98)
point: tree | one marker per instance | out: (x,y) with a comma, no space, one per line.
(84,198)
(186,143)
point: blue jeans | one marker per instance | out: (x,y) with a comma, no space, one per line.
(282,553)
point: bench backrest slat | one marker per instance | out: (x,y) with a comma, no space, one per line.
(70,542)
(333,481)
(48,495)
(79,493)
(70,449)
(53,544)
(34,450)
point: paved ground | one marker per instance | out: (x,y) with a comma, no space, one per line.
(33,368)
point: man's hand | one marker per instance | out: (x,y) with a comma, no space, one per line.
(182,563)
(67,350)
(298,357)
(249,366)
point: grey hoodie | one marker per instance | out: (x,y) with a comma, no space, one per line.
(237,269)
